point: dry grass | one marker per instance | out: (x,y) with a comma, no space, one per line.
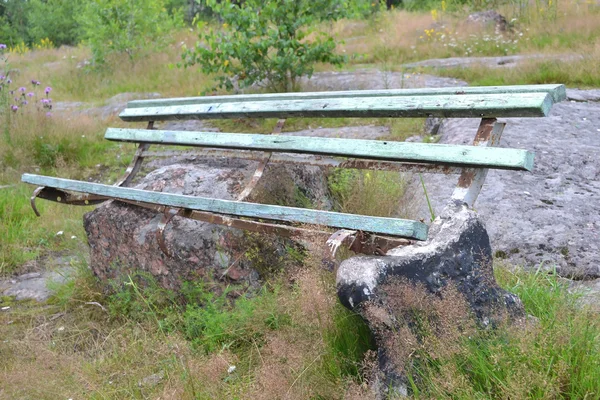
(581,71)
(391,39)
(77,350)
(64,69)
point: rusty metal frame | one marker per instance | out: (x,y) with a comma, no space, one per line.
(260,169)
(364,242)
(471,180)
(467,190)
(316,160)
(61,196)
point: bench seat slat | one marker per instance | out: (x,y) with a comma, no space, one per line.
(451,106)
(380,225)
(558,93)
(439,154)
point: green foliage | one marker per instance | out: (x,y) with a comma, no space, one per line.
(213,321)
(348,339)
(126,26)
(267,256)
(264,43)
(13,21)
(55,20)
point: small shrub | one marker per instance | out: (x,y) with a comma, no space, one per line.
(54,21)
(126,26)
(265,43)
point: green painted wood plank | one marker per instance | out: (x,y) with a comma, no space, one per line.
(381,225)
(557,92)
(463,106)
(498,158)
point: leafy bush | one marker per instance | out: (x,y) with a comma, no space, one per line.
(265,43)
(55,20)
(126,26)
(13,21)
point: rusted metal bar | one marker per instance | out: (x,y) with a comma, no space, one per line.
(366,243)
(61,196)
(136,163)
(321,161)
(261,166)
(471,180)
(167,216)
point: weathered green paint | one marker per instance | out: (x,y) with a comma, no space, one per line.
(455,155)
(557,92)
(380,225)
(463,106)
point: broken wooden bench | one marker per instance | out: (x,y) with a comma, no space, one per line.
(364,234)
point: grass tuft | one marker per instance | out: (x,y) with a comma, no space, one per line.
(555,354)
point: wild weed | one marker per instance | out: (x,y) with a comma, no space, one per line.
(553,355)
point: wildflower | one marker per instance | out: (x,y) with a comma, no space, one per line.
(14,108)
(48,90)
(30,94)
(22,89)
(34,82)
(24,102)
(44,101)
(48,114)
(9,81)
(2,46)
(2,77)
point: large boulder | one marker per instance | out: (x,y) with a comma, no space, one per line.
(550,216)
(123,237)
(448,278)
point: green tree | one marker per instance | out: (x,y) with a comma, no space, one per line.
(55,20)
(13,21)
(268,43)
(126,26)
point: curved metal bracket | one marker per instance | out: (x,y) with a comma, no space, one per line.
(34,196)
(60,196)
(343,236)
(167,216)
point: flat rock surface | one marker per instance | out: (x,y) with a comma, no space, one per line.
(553,214)
(35,285)
(493,62)
(375,79)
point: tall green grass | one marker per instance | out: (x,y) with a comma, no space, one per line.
(24,236)
(555,354)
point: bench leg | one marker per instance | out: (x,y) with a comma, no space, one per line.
(471,179)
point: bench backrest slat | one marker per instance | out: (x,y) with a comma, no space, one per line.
(499,158)
(452,106)
(558,93)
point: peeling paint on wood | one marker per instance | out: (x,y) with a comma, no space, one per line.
(558,93)
(444,154)
(454,106)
